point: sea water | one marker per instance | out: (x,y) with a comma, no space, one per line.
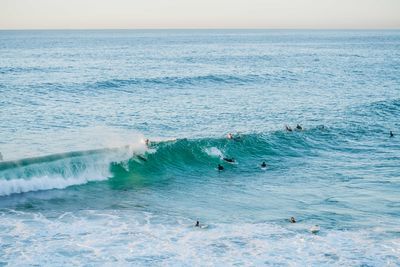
(79,185)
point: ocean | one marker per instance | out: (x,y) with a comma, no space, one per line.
(79,186)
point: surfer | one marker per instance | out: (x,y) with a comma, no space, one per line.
(391,135)
(233,137)
(292,220)
(230,160)
(197,224)
(298,127)
(288,128)
(315,229)
(141,158)
(263,165)
(220,167)
(147,142)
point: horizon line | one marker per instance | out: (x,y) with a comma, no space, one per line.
(200,28)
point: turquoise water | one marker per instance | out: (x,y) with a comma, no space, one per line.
(78,185)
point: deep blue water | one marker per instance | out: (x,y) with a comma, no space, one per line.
(79,186)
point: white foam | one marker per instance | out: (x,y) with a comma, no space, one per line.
(140,238)
(214,152)
(66,172)
(8,187)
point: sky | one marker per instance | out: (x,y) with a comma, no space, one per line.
(183,14)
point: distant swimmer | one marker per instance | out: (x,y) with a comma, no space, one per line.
(288,128)
(298,127)
(315,229)
(201,226)
(229,136)
(391,135)
(220,167)
(263,165)
(292,220)
(230,160)
(147,142)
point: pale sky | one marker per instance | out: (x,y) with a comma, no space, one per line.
(161,14)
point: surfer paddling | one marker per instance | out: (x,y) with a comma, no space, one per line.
(230,136)
(141,158)
(220,167)
(391,135)
(288,128)
(297,128)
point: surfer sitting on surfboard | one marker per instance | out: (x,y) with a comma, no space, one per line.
(263,165)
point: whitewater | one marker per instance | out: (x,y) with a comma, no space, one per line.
(80,185)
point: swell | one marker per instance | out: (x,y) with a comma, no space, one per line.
(385,109)
(23,70)
(180,157)
(380,109)
(372,119)
(178,81)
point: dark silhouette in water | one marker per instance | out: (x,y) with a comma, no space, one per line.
(292,220)
(197,224)
(288,128)
(147,142)
(231,160)
(391,135)
(263,165)
(315,229)
(232,137)
(141,158)
(220,167)
(298,127)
